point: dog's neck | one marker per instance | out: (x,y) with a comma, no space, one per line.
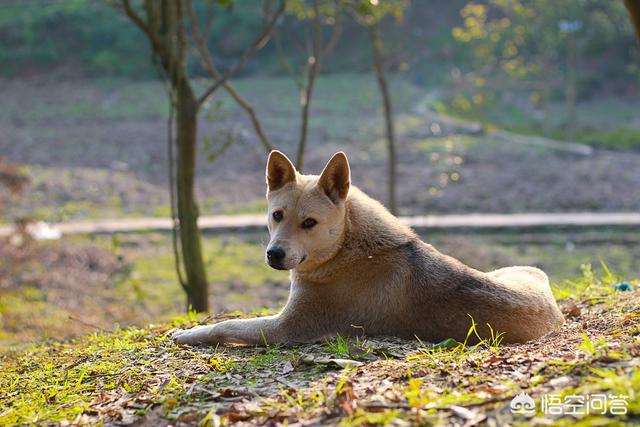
(369,230)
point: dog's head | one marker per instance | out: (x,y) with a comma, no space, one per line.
(306,212)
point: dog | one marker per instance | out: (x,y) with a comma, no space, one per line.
(356,269)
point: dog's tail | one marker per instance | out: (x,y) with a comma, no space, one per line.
(523,275)
(534,283)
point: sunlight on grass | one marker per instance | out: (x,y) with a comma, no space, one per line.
(233,265)
(587,284)
(602,123)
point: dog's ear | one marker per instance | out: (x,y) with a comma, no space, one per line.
(335,178)
(280,170)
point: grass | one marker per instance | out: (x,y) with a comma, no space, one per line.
(138,374)
(59,382)
(603,122)
(347,348)
(588,283)
(233,264)
(119,99)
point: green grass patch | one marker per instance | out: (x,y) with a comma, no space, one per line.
(59,382)
(603,122)
(232,264)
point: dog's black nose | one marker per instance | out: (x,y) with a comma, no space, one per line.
(275,254)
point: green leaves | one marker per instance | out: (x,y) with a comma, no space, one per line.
(226,4)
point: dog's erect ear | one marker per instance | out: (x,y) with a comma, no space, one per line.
(280,170)
(335,178)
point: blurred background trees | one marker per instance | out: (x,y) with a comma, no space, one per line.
(545,50)
(92,37)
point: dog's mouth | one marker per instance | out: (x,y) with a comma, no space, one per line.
(281,266)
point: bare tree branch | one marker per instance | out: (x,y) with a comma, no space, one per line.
(215,73)
(256,46)
(286,63)
(139,22)
(209,21)
(335,35)
(378,66)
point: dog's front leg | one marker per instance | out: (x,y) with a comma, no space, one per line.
(258,331)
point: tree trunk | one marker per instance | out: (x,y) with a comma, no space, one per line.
(164,27)
(378,66)
(633,6)
(186,138)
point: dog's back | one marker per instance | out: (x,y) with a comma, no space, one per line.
(516,301)
(392,283)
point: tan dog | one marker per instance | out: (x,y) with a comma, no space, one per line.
(356,269)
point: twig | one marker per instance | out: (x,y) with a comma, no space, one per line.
(213,71)
(252,49)
(87,324)
(378,66)
(284,60)
(337,32)
(209,22)
(284,382)
(128,10)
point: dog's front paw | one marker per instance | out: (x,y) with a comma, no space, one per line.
(198,335)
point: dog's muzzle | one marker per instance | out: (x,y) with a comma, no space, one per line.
(275,257)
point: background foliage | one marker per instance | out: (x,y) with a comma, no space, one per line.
(516,39)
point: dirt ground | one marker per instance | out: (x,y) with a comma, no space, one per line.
(99,150)
(58,289)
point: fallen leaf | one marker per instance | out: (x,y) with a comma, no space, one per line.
(234,417)
(346,398)
(341,363)
(496,360)
(345,363)
(233,393)
(287,367)
(608,359)
(448,343)
(571,310)
(560,381)
(494,390)
(462,412)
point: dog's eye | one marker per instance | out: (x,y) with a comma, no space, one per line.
(277,216)
(309,223)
